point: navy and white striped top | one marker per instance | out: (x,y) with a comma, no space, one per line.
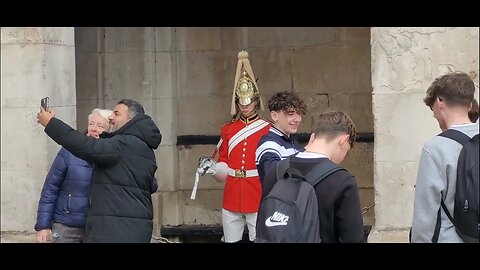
(273,147)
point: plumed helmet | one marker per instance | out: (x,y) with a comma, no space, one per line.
(245,89)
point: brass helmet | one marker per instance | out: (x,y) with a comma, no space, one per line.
(245,89)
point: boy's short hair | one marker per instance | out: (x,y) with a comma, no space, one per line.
(473,113)
(455,88)
(285,101)
(332,124)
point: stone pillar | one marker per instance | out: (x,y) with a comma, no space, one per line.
(405,61)
(36,62)
(165,93)
(137,63)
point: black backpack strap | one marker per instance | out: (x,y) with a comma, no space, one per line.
(321,171)
(455,135)
(462,139)
(446,212)
(475,138)
(282,167)
(436,232)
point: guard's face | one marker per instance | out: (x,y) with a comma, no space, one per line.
(247,110)
(119,117)
(287,121)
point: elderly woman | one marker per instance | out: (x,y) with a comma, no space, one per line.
(63,205)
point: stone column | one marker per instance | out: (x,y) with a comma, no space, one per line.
(35,62)
(167,200)
(137,63)
(405,61)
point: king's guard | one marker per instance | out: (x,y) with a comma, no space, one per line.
(236,156)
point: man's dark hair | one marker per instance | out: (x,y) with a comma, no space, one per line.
(331,124)
(473,113)
(455,88)
(134,108)
(285,101)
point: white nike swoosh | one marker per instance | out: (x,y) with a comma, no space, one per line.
(269,223)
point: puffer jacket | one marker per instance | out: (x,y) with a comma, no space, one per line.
(64,197)
(121,207)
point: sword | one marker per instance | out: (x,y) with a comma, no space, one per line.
(195,185)
(197,175)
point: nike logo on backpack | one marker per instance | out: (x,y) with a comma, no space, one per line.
(276,219)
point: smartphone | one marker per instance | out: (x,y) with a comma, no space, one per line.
(45,103)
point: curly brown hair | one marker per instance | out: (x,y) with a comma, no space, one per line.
(455,88)
(286,101)
(331,124)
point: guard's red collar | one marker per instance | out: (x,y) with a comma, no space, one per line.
(249,119)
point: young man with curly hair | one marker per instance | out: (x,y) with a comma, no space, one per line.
(286,110)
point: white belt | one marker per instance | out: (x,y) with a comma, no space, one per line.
(242,173)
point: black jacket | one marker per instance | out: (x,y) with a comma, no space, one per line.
(120,200)
(338,202)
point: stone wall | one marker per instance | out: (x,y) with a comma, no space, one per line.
(36,62)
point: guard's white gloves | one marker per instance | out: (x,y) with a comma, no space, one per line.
(206,165)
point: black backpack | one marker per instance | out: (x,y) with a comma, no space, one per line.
(289,213)
(466,210)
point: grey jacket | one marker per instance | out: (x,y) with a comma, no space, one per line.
(436,179)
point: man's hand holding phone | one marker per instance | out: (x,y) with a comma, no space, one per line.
(45,114)
(45,103)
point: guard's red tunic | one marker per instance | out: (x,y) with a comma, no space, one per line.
(243,189)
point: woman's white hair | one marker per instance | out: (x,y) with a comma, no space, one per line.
(105,113)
